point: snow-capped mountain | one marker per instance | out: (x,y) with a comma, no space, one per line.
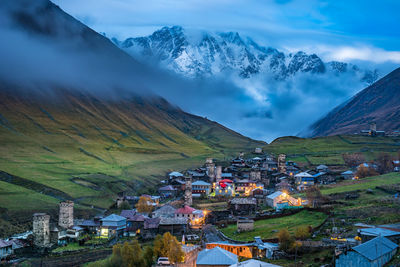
(203,54)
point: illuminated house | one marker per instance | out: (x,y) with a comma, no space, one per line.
(201,187)
(245,187)
(224,187)
(193,216)
(281,200)
(257,249)
(112,225)
(304,180)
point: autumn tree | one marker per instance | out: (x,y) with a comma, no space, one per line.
(127,255)
(168,246)
(144,204)
(148,256)
(384,162)
(364,171)
(302,232)
(353,159)
(285,239)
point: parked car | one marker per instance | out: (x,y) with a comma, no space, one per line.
(163,261)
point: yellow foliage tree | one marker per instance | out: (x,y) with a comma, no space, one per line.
(168,246)
(302,232)
(144,204)
(285,239)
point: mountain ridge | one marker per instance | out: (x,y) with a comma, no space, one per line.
(78,118)
(377,103)
(211,54)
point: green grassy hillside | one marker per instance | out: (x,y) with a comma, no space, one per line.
(329,150)
(88,149)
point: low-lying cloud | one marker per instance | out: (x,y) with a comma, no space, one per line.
(66,55)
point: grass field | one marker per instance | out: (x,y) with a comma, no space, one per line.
(88,149)
(329,150)
(269,228)
(362,184)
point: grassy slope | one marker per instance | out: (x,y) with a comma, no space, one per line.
(268,228)
(329,150)
(110,146)
(363,184)
(374,206)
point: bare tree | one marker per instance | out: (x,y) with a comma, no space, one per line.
(353,159)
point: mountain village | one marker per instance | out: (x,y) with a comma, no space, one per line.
(257,134)
(197,205)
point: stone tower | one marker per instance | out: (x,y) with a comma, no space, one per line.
(188,191)
(210,166)
(66,215)
(218,174)
(255,175)
(282,163)
(41,229)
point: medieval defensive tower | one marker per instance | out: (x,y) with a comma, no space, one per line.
(41,229)
(188,191)
(66,215)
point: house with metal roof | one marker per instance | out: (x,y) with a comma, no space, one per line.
(112,225)
(256,249)
(347,175)
(281,200)
(253,263)
(304,180)
(370,233)
(5,249)
(216,257)
(376,252)
(201,187)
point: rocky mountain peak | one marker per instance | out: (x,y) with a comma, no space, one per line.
(218,53)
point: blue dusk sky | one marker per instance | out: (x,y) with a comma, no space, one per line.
(365,30)
(366,33)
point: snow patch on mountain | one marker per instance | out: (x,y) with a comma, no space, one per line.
(203,54)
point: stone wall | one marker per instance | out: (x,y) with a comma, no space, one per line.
(245,225)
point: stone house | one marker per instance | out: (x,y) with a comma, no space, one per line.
(167,191)
(176,226)
(245,186)
(167,211)
(150,228)
(135,223)
(243,205)
(245,225)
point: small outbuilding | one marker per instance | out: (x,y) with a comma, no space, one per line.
(376,252)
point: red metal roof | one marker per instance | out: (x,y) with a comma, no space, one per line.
(185,210)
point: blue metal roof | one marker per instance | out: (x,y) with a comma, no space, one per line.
(216,256)
(378,232)
(200,182)
(375,248)
(114,218)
